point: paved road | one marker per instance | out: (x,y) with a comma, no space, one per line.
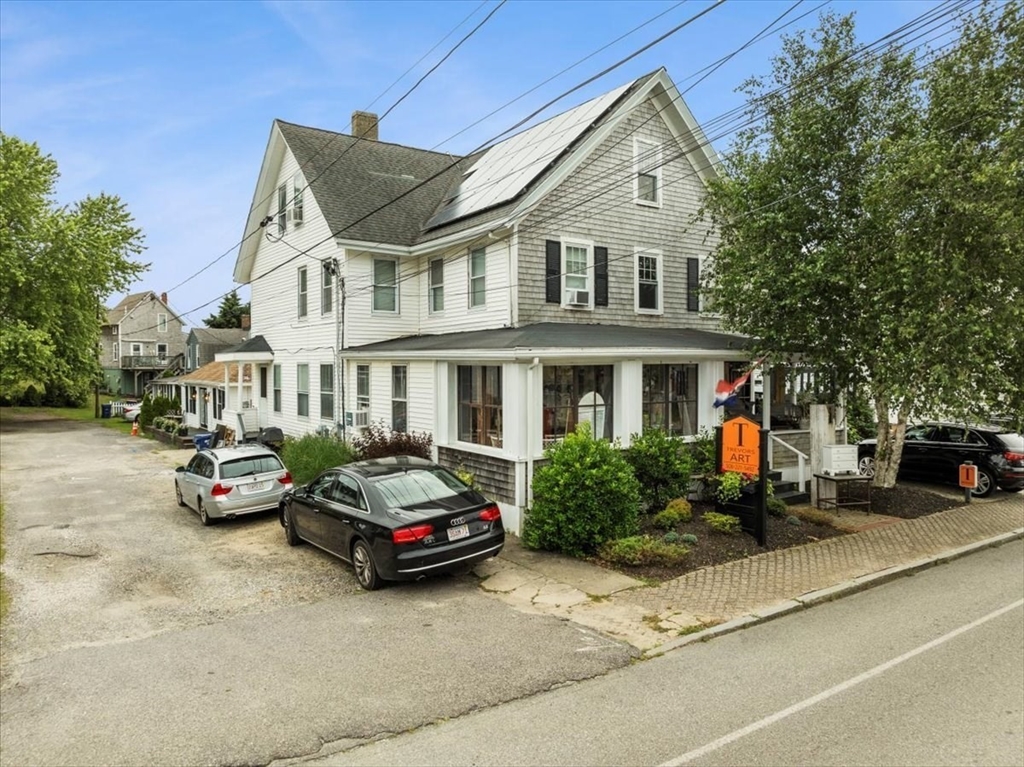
(137,636)
(926,670)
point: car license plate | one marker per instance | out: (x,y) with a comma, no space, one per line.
(455,533)
(256,487)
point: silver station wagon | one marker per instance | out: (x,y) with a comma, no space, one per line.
(226,482)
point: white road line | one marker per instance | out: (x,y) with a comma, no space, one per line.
(778,716)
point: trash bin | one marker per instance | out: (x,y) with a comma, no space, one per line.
(202,441)
(105,410)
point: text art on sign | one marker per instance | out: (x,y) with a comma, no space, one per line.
(741,446)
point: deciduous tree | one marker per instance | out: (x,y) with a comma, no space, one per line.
(872,220)
(58,264)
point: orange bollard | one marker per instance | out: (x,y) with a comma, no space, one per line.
(135,428)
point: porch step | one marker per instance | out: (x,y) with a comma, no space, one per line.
(793,497)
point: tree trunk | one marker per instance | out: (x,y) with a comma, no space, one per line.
(889,449)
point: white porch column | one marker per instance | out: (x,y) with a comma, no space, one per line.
(227,388)
(445,404)
(629,400)
(766,399)
(241,370)
(515,414)
(708,375)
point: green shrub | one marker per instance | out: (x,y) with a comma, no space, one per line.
(702,453)
(643,550)
(154,407)
(466,477)
(794,521)
(777,508)
(682,507)
(728,486)
(379,441)
(662,465)
(678,510)
(689,538)
(312,453)
(181,430)
(671,537)
(723,523)
(585,495)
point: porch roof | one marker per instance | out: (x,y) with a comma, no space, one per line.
(547,339)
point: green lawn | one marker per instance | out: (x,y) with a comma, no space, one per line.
(86,413)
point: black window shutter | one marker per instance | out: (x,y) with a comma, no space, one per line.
(693,284)
(600,276)
(553,272)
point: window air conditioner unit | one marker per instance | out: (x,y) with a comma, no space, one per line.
(578,297)
(358,419)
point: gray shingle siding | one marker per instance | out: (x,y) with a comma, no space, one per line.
(495,476)
(596,203)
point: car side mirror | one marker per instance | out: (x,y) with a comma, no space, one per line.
(180,469)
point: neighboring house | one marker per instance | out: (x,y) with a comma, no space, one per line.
(141,339)
(549,280)
(212,395)
(203,343)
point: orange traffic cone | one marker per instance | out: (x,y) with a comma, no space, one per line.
(135,428)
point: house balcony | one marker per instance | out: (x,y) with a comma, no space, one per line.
(145,361)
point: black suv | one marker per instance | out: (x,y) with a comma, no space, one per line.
(933,452)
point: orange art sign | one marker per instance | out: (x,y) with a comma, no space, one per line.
(968,475)
(741,446)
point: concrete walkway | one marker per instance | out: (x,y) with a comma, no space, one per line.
(729,596)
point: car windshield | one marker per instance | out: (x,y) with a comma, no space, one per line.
(1014,442)
(257,464)
(418,487)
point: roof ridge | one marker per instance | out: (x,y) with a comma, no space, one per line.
(374,141)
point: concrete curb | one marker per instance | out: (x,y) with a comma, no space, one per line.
(820,596)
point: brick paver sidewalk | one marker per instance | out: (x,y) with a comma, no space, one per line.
(738,588)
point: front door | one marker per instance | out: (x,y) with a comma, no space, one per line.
(204,407)
(264,401)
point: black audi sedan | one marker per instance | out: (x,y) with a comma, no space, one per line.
(933,452)
(399,518)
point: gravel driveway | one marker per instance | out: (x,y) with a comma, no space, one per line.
(138,636)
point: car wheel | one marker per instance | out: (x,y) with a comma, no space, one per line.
(205,518)
(866,466)
(289,529)
(177,493)
(362,563)
(986,484)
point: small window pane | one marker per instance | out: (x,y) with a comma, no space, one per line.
(385,291)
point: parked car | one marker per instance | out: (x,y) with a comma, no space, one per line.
(131,411)
(933,452)
(226,482)
(400,518)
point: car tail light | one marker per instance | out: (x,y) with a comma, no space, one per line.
(490,514)
(220,489)
(411,534)
(1013,457)
(286,479)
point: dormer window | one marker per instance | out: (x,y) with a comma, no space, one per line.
(647,172)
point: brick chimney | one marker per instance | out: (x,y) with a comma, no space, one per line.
(163,297)
(364,124)
(246,322)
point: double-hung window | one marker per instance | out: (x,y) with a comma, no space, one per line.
(577,394)
(399,397)
(303,283)
(477,277)
(480,404)
(326,287)
(385,285)
(648,285)
(161,352)
(327,392)
(302,389)
(362,387)
(436,286)
(161,323)
(647,172)
(277,388)
(282,209)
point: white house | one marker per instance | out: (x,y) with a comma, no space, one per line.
(494,301)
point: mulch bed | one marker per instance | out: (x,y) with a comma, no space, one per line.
(715,548)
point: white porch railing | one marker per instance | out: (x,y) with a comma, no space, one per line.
(801,460)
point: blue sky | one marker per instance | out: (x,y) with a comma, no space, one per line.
(169,105)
